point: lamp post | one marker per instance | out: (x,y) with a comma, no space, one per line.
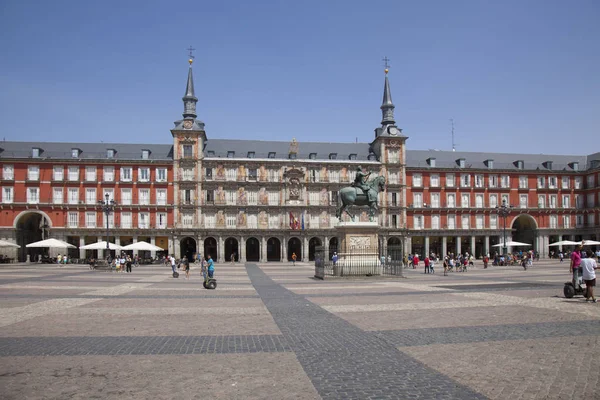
(504,211)
(107,206)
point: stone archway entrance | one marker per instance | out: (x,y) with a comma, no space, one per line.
(294,246)
(210,248)
(188,248)
(313,243)
(31,227)
(231,249)
(273,249)
(253,249)
(524,229)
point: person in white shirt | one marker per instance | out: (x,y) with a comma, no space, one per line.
(589,266)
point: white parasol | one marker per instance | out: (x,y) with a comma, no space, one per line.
(142,246)
(4,243)
(511,244)
(564,243)
(100,246)
(51,243)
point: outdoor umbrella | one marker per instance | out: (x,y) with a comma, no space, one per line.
(589,242)
(4,243)
(509,244)
(100,246)
(564,243)
(51,243)
(142,246)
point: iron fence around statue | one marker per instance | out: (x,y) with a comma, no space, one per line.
(364,261)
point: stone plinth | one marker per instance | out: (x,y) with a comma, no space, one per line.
(359,249)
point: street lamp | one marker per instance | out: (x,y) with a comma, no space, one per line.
(504,211)
(107,206)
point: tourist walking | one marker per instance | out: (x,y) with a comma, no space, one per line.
(128,263)
(294,258)
(186,264)
(589,266)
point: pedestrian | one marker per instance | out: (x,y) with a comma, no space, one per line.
(486,260)
(575,265)
(128,263)
(186,264)
(415,261)
(211,267)
(589,267)
(426,262)
(122,261)
(294,258)
(334,258)
(173,263)
(233,258)
(561,256)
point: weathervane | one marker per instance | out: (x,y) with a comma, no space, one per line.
(386,63)
(191,59)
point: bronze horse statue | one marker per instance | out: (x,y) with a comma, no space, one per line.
(354,196)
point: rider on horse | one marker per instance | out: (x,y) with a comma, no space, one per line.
(360,181)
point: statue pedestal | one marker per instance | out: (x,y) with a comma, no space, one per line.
(359,249)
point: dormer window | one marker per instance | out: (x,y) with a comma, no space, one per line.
(431,161)
(35,152)
(489,164)
(372,157)
(312,156)
(145,154)
(520,164)
(292,156)
(110,153)
(332,156)
(271,154)
(251,154)
(74,153)
(547,164)
(575,166)
(352,157)
(230,154)
(211,153)
(461,162)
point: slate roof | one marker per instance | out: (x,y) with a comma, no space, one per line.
(220,148)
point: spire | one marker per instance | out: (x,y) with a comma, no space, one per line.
(190,99)
(387,107)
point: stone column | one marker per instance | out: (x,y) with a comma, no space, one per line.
(486,245)
(473,246)
(176,246)
(444,246)
(305,250)
(81,243)
(283,251)
(426,247)
(458,245)
(408,248)
(153,242)
(221,249)
(263,250)
(560,238)
(242,248)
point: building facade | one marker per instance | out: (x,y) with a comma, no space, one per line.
(264,200)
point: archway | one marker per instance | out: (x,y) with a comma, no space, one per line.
(294,246)
(188,248)
(333,246)
(273,249)
(31,227)
(313,243)
(524,230)
(394,241)
(252,249)
(210,248)
(231,249)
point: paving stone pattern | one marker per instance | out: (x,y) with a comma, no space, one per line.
(344,362)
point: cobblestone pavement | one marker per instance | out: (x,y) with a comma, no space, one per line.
(270,331)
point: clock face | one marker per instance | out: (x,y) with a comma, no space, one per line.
(393,131)
(187,124)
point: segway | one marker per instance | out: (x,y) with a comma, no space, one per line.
(575,288)
(209,282)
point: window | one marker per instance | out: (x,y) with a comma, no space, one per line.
(578,221)
(431,162)
(144,195)
(451,200)
(578,182)
(565,182)
(110,153)
(145,154)
(394,199)
(73,196)
(90,219)
(541,201)
(434,180)
(161,197)
(394,223)
(392,177)
(161,220)
(552,182)
(210,196)
(90,196)
(126,174)
(464,221)
(417,200)
(210,153)
(479,181)
(273,198)
(435,222)
(33,173)
(591,220)
(417,180)
(493,200)
(108,174)
(505,199)
(552,201)
(590,203)
(554,221)
(35,152)
(479,221)
(590,181)
(505,181)
(418,222)
(108,191)
(451,221)
(126,220)
(161,174)
(126,197)
(461,162)
(393,156)
(57,195)
(523,201)
(465,200)
(73,219)
(7,194)
(465,180)
(230,221)
(230,154)
(58,173)
(188,151)
(312,156)
(187,196)
(450,180)
(208,173)
(566,203)
(579,201)
(144,174)
(435,200)
(541,182)
(493,221)
(332,156)
(273,221)
(90,174)
(353,156)
(8,172)
(143,220)
(493,181)
(251,154)
(479,200)
(271,154)
(73,173)
(566,221)
(520,164)
(523,182)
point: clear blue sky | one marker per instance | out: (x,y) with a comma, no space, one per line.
(516,75)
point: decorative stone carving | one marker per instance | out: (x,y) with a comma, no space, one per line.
(187,140)
(293,146)
(360,242)
(293,178)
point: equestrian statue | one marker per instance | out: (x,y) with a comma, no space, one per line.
(362,192)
